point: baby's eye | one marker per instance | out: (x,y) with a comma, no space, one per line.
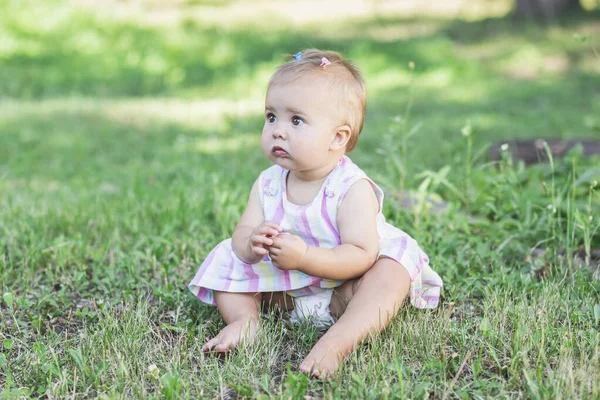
(296,120)
(271,117)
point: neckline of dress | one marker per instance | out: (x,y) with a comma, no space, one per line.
(284,176)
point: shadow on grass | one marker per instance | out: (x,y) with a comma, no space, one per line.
(86,149)
(83,146)
(96,57)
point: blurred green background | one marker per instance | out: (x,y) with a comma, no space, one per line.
(189,76)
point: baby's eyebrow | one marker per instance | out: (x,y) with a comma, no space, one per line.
(294,111)
(290,110)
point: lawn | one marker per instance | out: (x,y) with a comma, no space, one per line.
(129,141)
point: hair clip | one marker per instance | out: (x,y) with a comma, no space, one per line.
(324,62)
(298,56)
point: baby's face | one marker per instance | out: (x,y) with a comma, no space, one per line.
(300,124)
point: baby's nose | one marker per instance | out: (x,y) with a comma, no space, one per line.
(278,133)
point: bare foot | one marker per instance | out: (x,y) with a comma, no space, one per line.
(323,360)
(232,335)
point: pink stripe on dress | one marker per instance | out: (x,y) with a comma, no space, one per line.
(307,231)
(344,190)
(288,282)
(401,243)
(229,272)
(204,266)
(252,276)
(432,298)
(278,216)
(203,293)
(267,184)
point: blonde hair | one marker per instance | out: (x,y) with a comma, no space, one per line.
(345,81)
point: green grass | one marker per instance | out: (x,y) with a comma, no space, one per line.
(128,147)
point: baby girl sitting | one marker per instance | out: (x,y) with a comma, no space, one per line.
(313,239)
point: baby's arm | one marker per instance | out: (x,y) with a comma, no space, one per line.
(356,221)
(250,236)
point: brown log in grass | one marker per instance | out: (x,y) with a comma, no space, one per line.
(532,151)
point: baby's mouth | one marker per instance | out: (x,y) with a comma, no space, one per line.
(279,152)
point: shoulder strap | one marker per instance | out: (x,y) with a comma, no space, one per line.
(349,174)
(269,190)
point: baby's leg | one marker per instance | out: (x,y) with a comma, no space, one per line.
(372,301)
(241,313)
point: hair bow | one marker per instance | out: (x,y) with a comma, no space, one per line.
(298,56)
(324,62)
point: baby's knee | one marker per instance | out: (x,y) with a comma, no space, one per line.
(388,274)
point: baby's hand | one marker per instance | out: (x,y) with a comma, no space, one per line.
(287,251)
(261,238)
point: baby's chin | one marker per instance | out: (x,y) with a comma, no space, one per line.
(286,161)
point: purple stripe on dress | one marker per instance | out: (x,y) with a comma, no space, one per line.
(203,293)
(278,216)
(346,188)
(423,259)
(433,283)
(288,282)
(252,277)
(401,247)
(204,266)
(307,231)
(414,276)
(266,184)
(430,298)
(325,216)
(229,272)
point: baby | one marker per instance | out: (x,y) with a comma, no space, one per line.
(313,239)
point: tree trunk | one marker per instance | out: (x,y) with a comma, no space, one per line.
(546,9)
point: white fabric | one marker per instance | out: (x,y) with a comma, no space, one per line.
(313,307)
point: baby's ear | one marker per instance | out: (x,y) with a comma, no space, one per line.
(343,133)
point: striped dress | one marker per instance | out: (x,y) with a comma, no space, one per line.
(316,224)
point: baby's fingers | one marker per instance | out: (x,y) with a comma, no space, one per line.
(267,230)
(259,239)
(259,250)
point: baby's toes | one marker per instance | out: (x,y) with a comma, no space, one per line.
(224,346)
(307,366)
(210,345)
(317,373)
(310,367)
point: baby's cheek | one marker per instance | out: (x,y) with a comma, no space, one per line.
(264,143)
